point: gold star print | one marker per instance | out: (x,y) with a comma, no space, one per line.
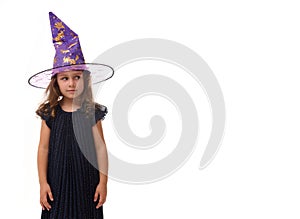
(59,25)
(73,44)
(58,43)
(59,36)
(69,60)
(64,51)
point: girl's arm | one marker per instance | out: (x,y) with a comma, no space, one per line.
(102,158)
(42,161)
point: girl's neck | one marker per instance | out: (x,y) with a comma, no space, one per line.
(70,103)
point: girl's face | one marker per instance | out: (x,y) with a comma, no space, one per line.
(70,83)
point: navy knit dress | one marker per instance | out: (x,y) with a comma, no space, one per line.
(72,172)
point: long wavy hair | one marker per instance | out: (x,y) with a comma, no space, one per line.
(53,96)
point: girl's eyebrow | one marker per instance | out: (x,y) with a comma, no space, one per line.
(77,74)
(62,75)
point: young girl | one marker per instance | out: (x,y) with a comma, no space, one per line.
(72,154)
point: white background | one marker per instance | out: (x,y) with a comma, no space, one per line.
(253,49)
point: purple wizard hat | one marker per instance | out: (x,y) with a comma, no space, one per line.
(68,56)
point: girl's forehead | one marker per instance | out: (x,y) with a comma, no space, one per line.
(69,73)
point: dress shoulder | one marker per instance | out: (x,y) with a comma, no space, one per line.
(100,112)
(45,115)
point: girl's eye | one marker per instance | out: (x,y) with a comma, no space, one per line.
(64,78)
(77,77)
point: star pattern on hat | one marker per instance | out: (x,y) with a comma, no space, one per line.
(59,37)
(59,25)
(71,61)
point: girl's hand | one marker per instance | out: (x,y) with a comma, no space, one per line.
(101,191)
(44,192)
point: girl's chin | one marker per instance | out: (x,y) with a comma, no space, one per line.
(71,96)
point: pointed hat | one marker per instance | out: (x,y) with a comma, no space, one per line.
(68,56)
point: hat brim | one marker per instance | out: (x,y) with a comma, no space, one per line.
(99,73)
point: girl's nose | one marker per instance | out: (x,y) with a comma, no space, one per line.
(72,83)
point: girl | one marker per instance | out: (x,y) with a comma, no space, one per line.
(72,155)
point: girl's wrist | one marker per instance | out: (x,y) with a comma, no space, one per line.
(43,182)
(101,183)
(103,179)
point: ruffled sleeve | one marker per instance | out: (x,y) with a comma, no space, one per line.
(100,112)
(46,117)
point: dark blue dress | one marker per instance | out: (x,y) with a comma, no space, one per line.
(72,165)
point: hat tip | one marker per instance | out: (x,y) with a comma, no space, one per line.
(51,14)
